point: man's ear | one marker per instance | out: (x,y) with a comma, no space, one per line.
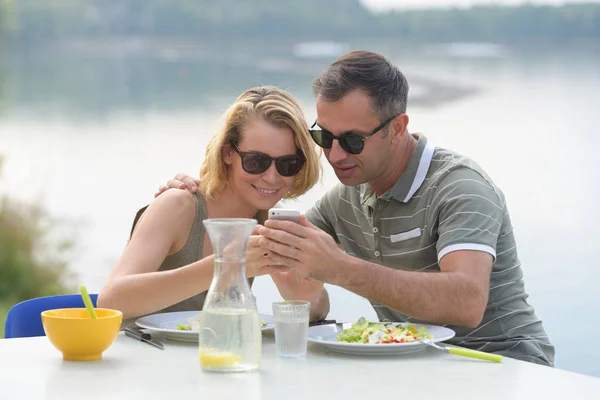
(399,125)
(227,154)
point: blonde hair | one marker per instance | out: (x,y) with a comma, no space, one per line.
(276,107)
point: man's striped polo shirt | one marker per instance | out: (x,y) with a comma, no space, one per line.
(443,202)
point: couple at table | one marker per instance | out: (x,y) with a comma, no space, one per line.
(421,232)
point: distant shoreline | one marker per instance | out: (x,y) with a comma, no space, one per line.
(26,25)
(430,92)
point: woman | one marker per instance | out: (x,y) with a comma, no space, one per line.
(262,154)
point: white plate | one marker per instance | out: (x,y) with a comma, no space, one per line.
(326,335)
(167,323)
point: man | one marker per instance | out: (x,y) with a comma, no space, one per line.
(424,233)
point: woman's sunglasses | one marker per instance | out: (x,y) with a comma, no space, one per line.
(350,142)
(254,162)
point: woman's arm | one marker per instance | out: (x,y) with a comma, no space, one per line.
(135,286)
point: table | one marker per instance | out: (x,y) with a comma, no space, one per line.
(31,368)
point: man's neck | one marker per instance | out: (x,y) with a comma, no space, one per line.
(398,166)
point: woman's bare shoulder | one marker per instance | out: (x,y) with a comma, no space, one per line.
(172,208)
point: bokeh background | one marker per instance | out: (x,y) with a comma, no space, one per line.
(101,101)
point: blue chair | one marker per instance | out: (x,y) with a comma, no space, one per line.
(25,319)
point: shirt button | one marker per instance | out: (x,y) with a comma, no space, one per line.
(375,230)
(377,254)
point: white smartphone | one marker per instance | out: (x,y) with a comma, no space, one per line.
(285,214)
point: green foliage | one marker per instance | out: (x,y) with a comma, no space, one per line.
(27,269)
(4,307)
(8,19)
(497,23)
(30,265)
(34,20)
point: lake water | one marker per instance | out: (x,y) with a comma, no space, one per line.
(91,130)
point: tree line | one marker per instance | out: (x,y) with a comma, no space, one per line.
(33,21)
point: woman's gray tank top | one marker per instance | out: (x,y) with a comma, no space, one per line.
(191,252)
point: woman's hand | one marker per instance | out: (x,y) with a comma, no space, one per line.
(293,286)
(258,261)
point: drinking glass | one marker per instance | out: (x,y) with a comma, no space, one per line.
(291,328)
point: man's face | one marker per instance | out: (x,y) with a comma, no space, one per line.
(353,114)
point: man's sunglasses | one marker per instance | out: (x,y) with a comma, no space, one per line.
(350,142)
(254,162)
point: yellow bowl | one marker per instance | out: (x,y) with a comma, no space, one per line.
(79,337)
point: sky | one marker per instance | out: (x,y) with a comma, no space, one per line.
(400,4)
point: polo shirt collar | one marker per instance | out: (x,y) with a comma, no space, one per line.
(411,180)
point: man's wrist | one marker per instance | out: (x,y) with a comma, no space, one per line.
(336,274)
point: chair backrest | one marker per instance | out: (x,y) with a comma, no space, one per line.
(25,319)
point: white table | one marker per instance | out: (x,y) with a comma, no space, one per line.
(32,369)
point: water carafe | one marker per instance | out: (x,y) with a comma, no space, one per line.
(230,331)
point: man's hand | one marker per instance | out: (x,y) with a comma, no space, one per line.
(181,181)
(311,252)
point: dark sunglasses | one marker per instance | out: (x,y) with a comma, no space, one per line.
(350,142)
(254,162)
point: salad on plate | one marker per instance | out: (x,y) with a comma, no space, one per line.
(366,332)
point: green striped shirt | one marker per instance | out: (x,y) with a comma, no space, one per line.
(443,202)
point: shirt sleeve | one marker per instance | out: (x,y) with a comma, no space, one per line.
(468,212)
(323,215)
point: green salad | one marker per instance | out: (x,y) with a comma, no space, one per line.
(364,331)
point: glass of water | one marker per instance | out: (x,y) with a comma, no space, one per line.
(291,328)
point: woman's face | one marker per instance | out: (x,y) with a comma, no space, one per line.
(265,189)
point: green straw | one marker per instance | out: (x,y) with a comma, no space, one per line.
(87,301)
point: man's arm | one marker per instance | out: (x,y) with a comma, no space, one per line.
(457,295)
(467,214)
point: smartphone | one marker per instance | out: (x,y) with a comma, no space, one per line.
(285,214)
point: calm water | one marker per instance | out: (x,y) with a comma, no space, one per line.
(92,134)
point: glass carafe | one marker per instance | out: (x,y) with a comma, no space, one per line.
(230,332)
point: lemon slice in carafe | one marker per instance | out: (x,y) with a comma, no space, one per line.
(218,359)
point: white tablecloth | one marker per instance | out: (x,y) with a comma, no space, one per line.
(32,368)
